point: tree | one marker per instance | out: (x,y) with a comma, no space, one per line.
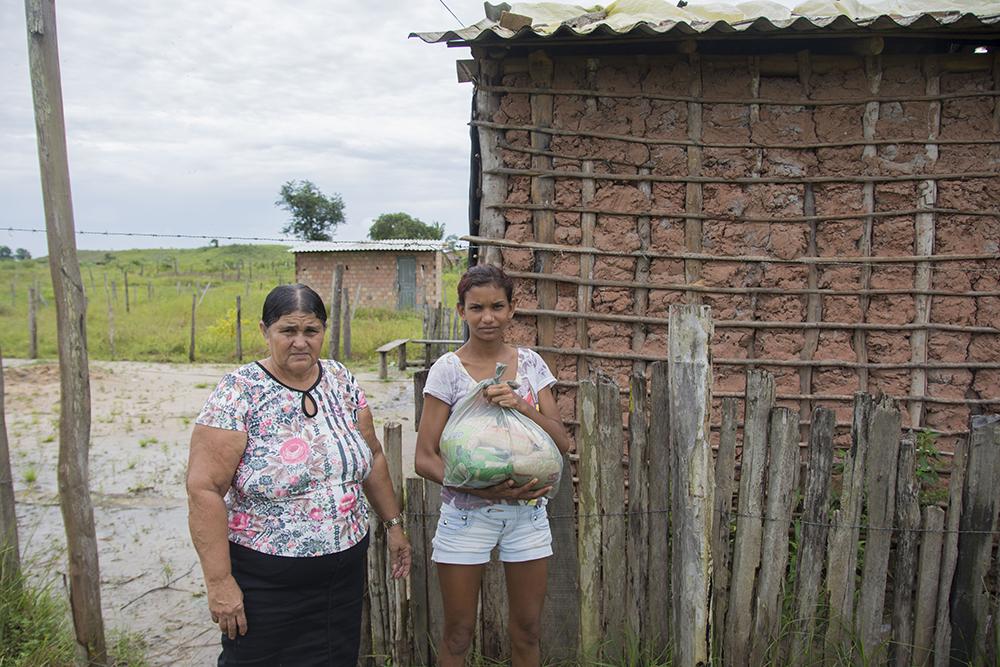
(314,215)
(404,226)
(5,252)
(21,254)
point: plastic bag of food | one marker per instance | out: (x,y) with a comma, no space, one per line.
(484,444)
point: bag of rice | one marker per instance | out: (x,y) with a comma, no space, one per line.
(485,444)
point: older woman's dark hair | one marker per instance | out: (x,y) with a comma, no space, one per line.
(485,274)
(298,298)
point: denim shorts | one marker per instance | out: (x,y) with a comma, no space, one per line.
(466,537)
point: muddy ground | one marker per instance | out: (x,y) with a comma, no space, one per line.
(142,418)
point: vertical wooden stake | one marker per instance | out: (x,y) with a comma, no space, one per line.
(127,307)
(10,560)
(194,305)
(32,324)
(111,320)
(335,295)
(239,329)
(71,318)
(692,488)
(905,572)
(928,576)
(347,325)
(589,529)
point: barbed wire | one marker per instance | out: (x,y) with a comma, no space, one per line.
(165,236)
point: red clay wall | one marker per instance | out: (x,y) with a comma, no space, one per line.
(374,271)
(732,78)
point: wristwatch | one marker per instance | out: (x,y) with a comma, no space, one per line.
(394,521)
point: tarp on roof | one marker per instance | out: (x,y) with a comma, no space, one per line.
(549,19)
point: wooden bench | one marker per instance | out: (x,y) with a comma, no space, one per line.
(430,343)
(383,351)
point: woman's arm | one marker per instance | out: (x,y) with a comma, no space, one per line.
(547,415)
(215,454)
(429,464)
(378,490)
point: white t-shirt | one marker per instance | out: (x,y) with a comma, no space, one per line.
(449,382)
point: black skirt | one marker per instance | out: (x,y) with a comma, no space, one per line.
(300,611)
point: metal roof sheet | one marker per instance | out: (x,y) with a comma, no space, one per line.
(400,245)
(550,20)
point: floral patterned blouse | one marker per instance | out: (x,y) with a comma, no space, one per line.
(297,489)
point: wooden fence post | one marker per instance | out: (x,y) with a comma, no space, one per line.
(419,381)
(126,293)
(239,329)
(111,321)
(842,551)
(692,489)
(614,582)
(71,312)
(400,642)
(420,533)
(338,280)
(783,468)
(589,543)
(10,560)
(928,576)
(880,501)
(658,612)
(812,545)
(969,596)
(347,325)
(905,571)
(194,305)
(32,324)
(638,505)
(560,630)
(949,554)
(749,524)
(725,480)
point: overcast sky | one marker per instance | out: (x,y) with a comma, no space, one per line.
(186,117)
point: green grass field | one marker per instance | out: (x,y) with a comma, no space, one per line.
(157,326)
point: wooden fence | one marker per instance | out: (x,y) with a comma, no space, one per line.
(745,548)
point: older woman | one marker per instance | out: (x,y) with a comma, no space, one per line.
(279,457)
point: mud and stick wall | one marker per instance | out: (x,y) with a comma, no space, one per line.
(837,212)
(370,276)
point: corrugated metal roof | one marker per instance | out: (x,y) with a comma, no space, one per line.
(636,18)
(400,245)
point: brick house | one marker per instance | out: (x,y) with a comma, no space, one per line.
(398,273)
(828,185)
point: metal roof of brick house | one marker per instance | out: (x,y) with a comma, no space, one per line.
(644,18)
(400,245)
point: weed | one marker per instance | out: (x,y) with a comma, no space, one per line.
(30,475)
(146,442)
(203,385)
(49,438)
(928,458)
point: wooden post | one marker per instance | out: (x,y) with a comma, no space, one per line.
(692,498)
(401,362)
(347,325)
(905,571)
(749,525)
(812,546)
(401,642)
(194,305)
(338,280)
(32,324)
(783,441)
(10,560)
(149,291)
(928,576)
(842,550)
(657,624)
(949,554)
(560,630)
(239,329)
(127,310)
(589,545)
(638,505)
(612,493)
(880,500)
(111,321)
(725,479)
(13,293)
(420,531)
(969,595)
(419,380)
(74,415)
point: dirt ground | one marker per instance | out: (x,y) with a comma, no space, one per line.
(142,414)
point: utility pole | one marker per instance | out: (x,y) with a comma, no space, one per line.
(74,376)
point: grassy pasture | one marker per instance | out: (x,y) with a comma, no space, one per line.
(161,283)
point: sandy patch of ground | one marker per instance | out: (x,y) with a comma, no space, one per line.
(141,423)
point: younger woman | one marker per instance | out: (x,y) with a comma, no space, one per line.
(473,521)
